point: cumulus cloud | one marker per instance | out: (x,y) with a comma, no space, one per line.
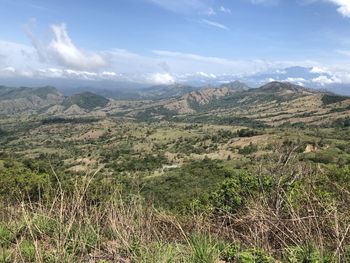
(299,80)
(161,78)
(64,50)
(343,6)
(326,80)
(318,70)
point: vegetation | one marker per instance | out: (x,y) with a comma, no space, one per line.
(86,100)
(158,186)
(332,98)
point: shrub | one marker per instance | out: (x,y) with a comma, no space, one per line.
(18,182)
(27,250)
(248,149)
(235,191)
(203,249)
(6,235)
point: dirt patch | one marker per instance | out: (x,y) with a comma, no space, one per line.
(92,135)
(310,148)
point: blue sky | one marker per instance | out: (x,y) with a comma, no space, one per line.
(158,41)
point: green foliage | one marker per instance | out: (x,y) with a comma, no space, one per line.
(86,100)
(248,149)
(44,226)
(59,120)
(332,98)
(224,120)
(247,133)
(27,250)
(18,182)
(147,162)
(255,256)
(158,252)
(178,187)
(236,190)
(325,157)
(342,122)
(307,254)
(7,236)
(203,249)
(230,252)
(330,186)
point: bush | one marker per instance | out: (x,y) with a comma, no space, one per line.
(27,249)
(235,191)
(247,133)
(255,255)
(249,149)
(6,236)
(18,182)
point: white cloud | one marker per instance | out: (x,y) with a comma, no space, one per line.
(325,80)
(296,80)
(161,78)
(64,50)
(206,75)
(343,6)
(317,70)
(214,24)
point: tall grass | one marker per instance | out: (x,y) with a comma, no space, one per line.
(67,227)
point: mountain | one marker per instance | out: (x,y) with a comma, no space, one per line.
(14,100)
(285,88)
(86,100)
(165,91)
(235,85)
(193,100)
(273,104)
(234,103)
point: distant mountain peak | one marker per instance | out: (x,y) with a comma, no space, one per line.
(235,85)
(279,86)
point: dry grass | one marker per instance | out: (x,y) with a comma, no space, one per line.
(68,228)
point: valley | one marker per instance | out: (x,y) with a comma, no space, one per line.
(198,160)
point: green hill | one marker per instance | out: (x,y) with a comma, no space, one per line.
(86,100)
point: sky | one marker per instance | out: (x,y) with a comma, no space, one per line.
(164,41)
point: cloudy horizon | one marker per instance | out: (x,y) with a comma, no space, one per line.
(163,41)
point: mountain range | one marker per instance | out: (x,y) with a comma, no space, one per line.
(272,104)
(127,86)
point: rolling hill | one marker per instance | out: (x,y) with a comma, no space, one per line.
(15,100)
(273,104)
(86,100)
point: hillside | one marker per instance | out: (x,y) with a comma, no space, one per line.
(192,184)
(273,104)
(276,103)
(15,100)
(86,100)
(189,102)
(165,91)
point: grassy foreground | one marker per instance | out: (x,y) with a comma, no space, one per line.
(303,225)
